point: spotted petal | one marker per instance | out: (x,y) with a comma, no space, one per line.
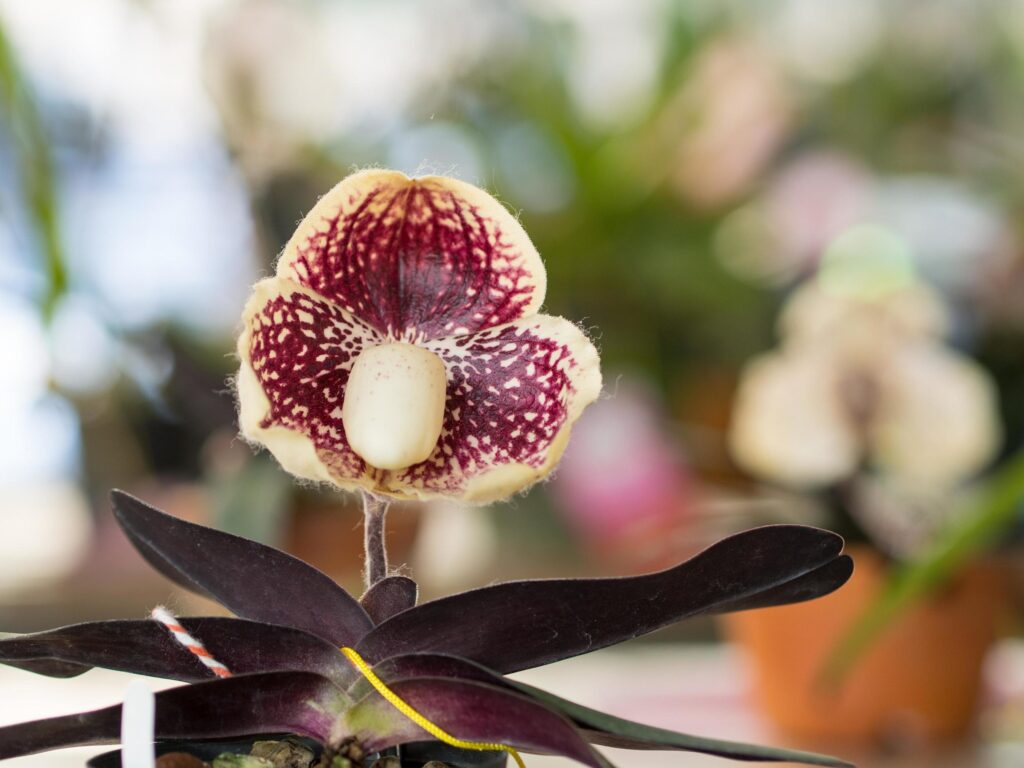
(513,394)
(297,350)
(416,258)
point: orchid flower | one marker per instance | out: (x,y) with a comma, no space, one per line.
(398,349)
(865,380)
(447,657)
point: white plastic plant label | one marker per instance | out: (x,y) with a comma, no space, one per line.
(137,726)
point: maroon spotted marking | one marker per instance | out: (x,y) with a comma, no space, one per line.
(302,350)
(508,395)
(418,262)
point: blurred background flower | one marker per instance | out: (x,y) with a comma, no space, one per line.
(624,485)
(863,385)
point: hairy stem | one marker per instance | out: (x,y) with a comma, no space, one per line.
(375,566)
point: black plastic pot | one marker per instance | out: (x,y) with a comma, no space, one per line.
(416,755)
(413,755)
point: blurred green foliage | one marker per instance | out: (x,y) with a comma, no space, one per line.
(26,131)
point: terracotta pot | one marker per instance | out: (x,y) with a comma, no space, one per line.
(919,681)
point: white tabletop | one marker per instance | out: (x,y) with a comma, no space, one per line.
(697,689)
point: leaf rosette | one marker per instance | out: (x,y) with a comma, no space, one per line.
(447,658)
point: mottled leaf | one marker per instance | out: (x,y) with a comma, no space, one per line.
(471,711)
(522,624)
(145,647)
(597,727)
(250,579)
(389,596)
(279,702)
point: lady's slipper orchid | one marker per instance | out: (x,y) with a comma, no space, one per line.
(865,380)
(398,348)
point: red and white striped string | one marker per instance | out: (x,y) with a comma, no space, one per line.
(191,644)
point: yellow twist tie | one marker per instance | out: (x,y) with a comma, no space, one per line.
(406,709)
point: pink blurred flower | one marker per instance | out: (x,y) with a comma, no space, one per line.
(622,471)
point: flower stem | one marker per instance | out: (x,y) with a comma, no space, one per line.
(375,566)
